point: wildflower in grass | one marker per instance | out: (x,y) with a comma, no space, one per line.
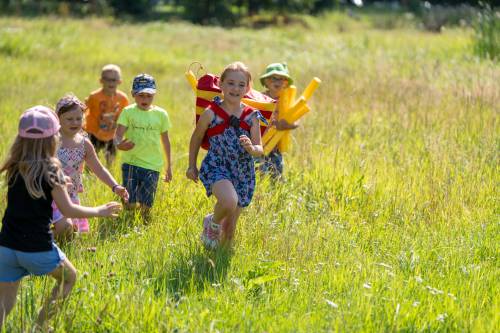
(332,304)
(367,285)
(441,317)
(434,291)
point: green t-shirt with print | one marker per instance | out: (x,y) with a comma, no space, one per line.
(144,128)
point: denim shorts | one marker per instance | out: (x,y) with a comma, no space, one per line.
(16,264)
(140,183)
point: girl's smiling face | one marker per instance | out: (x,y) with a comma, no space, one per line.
(71,121)
(234,86)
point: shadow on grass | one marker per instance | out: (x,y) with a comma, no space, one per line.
(195,271)
(108,228)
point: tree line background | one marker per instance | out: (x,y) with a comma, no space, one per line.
(431,15)
(225,12)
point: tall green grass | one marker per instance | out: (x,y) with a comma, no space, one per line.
(487,33)
(387,220)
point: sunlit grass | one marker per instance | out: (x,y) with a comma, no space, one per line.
(387,221)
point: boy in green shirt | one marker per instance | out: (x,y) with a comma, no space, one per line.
(146,127)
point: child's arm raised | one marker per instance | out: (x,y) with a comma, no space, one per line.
(120,143)
(101,172)
(253,146)
(195,143)
(166,146)
(69,209)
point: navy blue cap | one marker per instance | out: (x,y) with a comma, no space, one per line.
(144,83)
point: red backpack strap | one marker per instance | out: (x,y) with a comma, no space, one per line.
(218,129)
(246,112)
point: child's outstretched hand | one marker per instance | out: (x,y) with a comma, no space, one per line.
(125,145)
(192,173)
(110,209)
(121,192)
(246,143)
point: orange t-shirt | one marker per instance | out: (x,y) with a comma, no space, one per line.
(102,113)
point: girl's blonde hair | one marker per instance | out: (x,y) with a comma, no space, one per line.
(34,160)
(237,66)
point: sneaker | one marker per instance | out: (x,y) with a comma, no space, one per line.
(211,232)
(206,224)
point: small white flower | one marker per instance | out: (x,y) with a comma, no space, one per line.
(434,291)
(441,317)
(415,304)
(419,279)
(367,285)
(332,304)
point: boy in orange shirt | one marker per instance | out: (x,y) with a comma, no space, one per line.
(103,108)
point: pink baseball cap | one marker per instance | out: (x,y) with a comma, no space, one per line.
(38,122)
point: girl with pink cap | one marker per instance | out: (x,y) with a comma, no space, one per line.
(35,179)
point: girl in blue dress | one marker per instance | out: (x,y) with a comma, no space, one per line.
(227,171)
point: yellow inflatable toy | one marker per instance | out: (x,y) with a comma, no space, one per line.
(290,110)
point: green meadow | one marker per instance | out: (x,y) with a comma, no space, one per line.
(388,220)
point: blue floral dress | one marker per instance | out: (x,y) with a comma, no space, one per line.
(226,159)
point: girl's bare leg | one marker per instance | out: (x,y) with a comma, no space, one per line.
(229,226)
(65,276)
(63,229)
(8,292)
(227,200)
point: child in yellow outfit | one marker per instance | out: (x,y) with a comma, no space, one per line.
(276,79)
(103,108)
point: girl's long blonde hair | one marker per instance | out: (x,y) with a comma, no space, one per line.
(34,160)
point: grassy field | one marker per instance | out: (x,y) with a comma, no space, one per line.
(389,217)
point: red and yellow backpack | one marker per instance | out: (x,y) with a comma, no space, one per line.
(207,90)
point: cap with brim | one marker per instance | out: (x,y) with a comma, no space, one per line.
(144,83)
(146,90)
(38,122)
(276,69)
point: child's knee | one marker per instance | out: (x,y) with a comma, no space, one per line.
(70,277)
(229,204)
(69,274)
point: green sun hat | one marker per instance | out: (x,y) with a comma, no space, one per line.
(280,69)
